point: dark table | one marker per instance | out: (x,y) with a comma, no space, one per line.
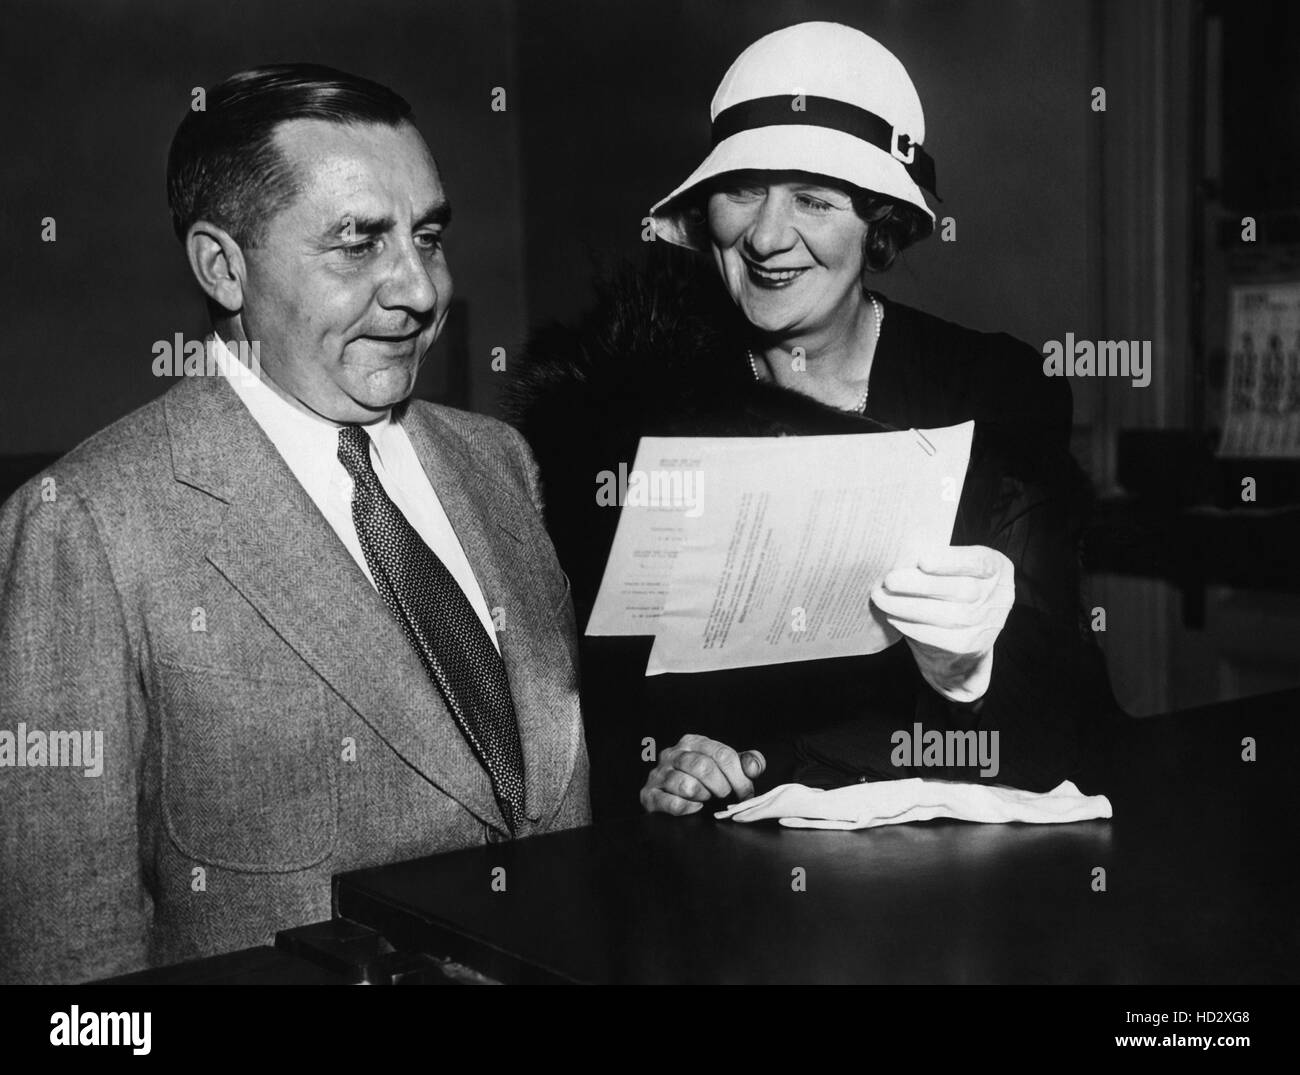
(263,965)
(1249,546)
(1200,873)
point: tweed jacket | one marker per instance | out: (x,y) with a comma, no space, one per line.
(265,722)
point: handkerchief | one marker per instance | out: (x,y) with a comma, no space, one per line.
(895,802)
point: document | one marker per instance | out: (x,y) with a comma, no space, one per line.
(742,551)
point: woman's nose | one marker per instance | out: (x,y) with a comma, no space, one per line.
(771,231)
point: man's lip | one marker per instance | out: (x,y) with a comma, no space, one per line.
(393,339)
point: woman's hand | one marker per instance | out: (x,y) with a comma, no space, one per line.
(696,770)
(951,607)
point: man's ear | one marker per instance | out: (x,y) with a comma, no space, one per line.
(217,263)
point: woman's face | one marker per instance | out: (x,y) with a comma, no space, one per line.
(789,247)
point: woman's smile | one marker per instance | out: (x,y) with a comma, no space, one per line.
(772,277)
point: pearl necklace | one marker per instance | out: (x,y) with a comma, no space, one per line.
(862,403)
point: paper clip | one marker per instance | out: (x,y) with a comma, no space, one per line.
(930,449)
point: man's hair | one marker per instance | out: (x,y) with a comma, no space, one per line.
(224,165)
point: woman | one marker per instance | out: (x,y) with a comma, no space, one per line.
(813,186)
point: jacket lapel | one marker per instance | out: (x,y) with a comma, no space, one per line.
(497,529)
(278,551)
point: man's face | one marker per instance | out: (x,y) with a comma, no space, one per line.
(350,286)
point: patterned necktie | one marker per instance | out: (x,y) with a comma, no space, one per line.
(440,623)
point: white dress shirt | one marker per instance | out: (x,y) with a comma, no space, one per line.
(309,444)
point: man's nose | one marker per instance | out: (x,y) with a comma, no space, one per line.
(409,284)
(771,230)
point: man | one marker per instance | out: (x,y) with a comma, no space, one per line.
(319,627)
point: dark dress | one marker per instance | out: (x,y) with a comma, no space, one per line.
(664,353)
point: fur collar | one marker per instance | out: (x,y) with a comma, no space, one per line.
(663,352)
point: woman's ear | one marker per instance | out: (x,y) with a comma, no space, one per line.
(694,217)
(217,263)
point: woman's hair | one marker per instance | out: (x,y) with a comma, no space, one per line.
(892,225)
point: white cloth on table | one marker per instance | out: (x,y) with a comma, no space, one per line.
(895,802)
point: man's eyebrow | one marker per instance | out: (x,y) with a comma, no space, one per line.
(439,213)
(350,226)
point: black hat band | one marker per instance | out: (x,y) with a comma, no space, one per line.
(804,110)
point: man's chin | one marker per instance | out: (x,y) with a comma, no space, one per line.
(363,402)
(369,405)
(380,389)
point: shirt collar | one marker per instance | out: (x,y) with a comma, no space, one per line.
(271,409)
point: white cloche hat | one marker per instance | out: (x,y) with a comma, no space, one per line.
(817,97)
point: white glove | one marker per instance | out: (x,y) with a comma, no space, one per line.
(951,607)
(895,802)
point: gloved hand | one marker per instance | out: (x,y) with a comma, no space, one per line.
(951,608)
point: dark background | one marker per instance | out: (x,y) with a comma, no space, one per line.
(607,111)
(1067,219)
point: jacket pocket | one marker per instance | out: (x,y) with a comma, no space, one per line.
(248,779)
